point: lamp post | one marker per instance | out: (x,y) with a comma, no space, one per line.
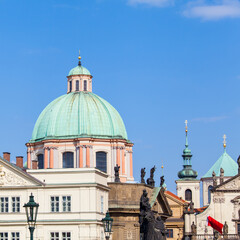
(107,222)
(31,212)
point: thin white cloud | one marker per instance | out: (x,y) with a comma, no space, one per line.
(209,119)
(213,10)
(153,3)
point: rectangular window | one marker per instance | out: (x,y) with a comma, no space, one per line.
(54,204)
(169,233)
(15,236)
(102,204)
(66,202)
(15,204)
(4,204)
(70,86)
(77,85)
(3,236)
(54,236)
(66,236)
(238,228)
(85,85)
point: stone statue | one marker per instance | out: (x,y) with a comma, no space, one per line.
(150,181)
(161,226)
(214,179)
(221,175)
(194,229)
(215,234)
(143,173)
(225,229)
(185,208)
(162,180)
(116,173)
(221,172)
(150,227)
(238,162)
(191,206)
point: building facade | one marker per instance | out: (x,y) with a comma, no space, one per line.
(76,142)
(72,202)
(124,207)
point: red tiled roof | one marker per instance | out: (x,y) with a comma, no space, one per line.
(175,196)
(200,210)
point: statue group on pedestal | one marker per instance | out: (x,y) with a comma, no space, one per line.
(151,228)
(150,180)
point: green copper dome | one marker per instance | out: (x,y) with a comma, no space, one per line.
(79,70)
(78,115)
(225,162)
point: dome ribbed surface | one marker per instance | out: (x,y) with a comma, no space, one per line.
(78,115)
(79,70)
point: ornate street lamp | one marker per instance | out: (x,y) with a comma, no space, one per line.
(31,211)
(107,222)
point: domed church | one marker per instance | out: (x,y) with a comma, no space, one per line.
(80,130)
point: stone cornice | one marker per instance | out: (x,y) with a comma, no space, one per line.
(74,140)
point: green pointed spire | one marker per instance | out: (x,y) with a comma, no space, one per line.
(187,172)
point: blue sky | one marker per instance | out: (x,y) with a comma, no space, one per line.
(158,62)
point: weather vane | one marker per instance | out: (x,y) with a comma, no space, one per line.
(224,141)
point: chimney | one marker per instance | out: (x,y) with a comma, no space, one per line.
(19,161)
(6,156)
(34,164)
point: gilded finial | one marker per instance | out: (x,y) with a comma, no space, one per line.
(79,59)
(224,141)
(186,126)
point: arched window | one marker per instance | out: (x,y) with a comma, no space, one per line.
(188,195)
(40,161)
(77,85)
(101,161)
(70,86)
(209,193)
(85,85)
(68,160)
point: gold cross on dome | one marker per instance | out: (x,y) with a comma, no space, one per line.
(186,123)
(224,140)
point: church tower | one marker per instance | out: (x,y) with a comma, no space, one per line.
(188,186)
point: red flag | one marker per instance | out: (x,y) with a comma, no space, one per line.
(215,224)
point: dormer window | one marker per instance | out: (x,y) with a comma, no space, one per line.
(77,85)
(70,86)
(85,85)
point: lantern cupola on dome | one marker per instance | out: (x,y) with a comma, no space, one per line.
(79,78)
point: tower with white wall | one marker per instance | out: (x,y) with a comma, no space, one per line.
(188,186)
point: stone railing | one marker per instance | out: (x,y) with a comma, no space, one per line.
(211,237)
